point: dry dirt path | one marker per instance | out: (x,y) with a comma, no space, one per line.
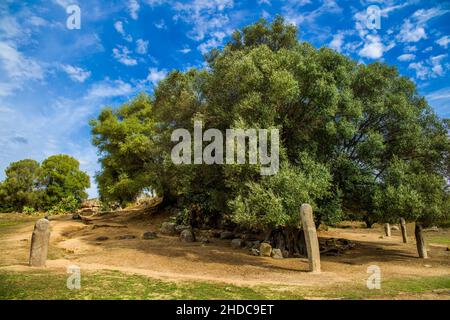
(165,257)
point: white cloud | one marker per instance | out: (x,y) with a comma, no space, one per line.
(76,73)
(118,25)
(109,89)
(185,50)
(161,24)
(406,57)
(155,75)
(430,68)
(373,47)
(413,29)
(214,42)
(440,101)
(296,15)
(205,16)
(337,42)
(267,2)
(141,46)
(133,7)
(443,41)
(122,54)
(16,69)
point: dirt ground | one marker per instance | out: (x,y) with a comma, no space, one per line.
(73,242)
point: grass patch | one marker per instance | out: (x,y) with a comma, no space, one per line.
(439,239)
(46,284)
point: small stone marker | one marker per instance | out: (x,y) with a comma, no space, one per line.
(403,227)
(387,229)
(312,243)
(39,243)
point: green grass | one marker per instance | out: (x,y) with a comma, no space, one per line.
(45,284)
(439,239)
(112,285)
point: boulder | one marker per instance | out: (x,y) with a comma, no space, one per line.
(226,235)
(254,252)
(256,244)
(181,227)
(396,228)
(168,228)
(276,254)
(187,236)
(265,249)
(237,243)
(204,240)
(149,235)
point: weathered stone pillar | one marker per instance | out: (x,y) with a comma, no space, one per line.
(39,243)
(312,243)
(403,228)
(420,242)
(387,229)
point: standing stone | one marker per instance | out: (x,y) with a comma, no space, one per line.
(420,242)
(39,243)
(312,243)
(387,229)
(403,227)
(265,249)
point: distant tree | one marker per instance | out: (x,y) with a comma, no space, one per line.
(61,178)
(21,186)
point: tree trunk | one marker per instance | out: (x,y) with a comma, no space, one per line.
(387,229)
(403,228)
(420,242)
(291,241)
(368,221)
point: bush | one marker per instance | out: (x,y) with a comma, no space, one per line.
(67,205)
(28,210)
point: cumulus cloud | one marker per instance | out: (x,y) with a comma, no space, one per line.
(76,73)
(109,89)
(413,28)
(155,75)
(429,68)
(443,41)
(373,47)
(122,54)
(141,46)
(133,8)
(406,57)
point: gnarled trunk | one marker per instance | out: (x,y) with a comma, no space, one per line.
(291,241)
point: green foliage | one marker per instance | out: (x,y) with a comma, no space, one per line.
(69,204)
(62,178)
(57,185)
(21,185)
(28,210)
(351,120)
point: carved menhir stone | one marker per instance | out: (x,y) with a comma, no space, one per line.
(39,243)
(387,229)
(312,243)
(420,242)
(403,227)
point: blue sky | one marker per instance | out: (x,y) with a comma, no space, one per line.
(53,79)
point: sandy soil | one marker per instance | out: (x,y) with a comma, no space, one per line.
(73,242)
